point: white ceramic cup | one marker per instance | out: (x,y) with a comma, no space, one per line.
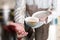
(31,21)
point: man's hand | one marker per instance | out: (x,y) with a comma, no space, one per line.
(19,29)
(43,19)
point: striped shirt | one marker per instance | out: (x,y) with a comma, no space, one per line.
(20,8)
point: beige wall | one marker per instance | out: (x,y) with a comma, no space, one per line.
(10,2)
(58,29)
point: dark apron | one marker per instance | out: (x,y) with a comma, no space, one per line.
(41,33)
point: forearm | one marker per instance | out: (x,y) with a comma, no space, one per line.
(20,11)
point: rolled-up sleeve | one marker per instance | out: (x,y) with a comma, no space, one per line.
(20,10)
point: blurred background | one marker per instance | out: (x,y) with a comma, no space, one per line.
(11,4)
(54,30)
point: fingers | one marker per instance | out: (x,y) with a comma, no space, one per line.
(22,34)
(43,19)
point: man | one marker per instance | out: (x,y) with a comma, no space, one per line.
(25,8)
